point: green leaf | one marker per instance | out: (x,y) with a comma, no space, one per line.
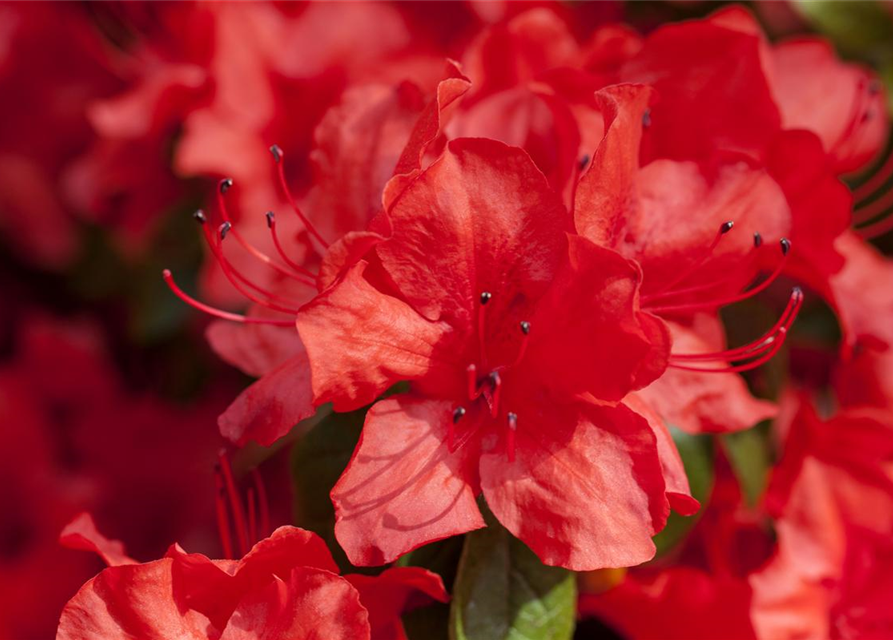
(503,591)
(858,28)
(697,458)
(748,453)
(317,461)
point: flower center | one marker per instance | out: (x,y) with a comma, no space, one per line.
(489,385)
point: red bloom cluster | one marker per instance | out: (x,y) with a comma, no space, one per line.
(544,255)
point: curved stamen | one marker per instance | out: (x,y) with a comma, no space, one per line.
(876,229)
(763,349)
(231,275)
(458,414)
(724,228)
(785,251)
(511,430)
(222,515)
(271,224)
(262,503)
(878,179)
(238,510)
(219,313)
(225,185)
(760,344)
(278,156)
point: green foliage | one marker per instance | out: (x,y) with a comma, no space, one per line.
(318,460)
(697,458)
(503,591)
(749,456)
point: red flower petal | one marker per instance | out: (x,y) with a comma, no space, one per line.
(403,487)
(392,593)
(704,402)
(586,490)
(269,408)
(480,218)
(586,335)
(361,341)
(309,604)
(130,601)
(81,533)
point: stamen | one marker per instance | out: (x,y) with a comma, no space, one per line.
(512,424)
(763,348)
(486,296)
(493,396)
(278,157)
(200,217)
(876,229)
(525,338)
(785,245)
(458,414)
(271,225)
(472,380)
(235,277)
(757,240)
(878,179)
(219,313)
(646,118)
(225,186)
(252,516)
(222,517)
(724,228)
(235,503)
(584,162)
(263,503)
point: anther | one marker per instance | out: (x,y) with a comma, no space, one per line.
(525,327)
(224,229)
(276,150)
(725,227)
(271,219)
(584,161)
(757,239)
(200,217)
(485,297)
(785,246)
(458,414)
(646,118)
(225,185)
(512,422)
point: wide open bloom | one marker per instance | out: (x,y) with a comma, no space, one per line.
(832,497)
(701,232)
(286,586)
(518,342)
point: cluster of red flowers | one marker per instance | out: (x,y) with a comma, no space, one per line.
(570,276)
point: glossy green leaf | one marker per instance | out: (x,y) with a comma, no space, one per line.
(504,592)
(749,456)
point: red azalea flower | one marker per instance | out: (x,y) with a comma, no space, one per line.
(832,495)
(685,222)
(287,585)
(499,321)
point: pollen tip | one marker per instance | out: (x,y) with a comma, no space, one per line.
(458,413)
(166,274)
(797,293)
(512,419)
(225,185)
(525,327)
(785,246)
(646,118)
(276,150)
(485,297)
(757,239)
(271,219)
(584,161)
(199,216)
(224,229)
(726,226)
